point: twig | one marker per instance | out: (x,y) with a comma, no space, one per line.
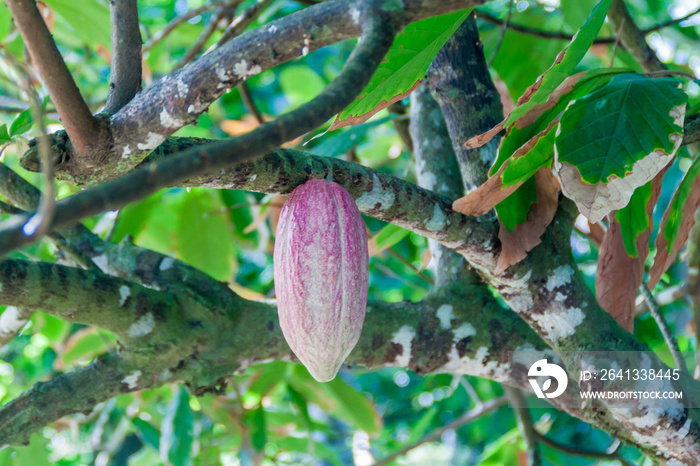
(408,264)
(632,38)
(522,416)
(465,418)
(563,36)
(125,79)
(662,298)
(38,224)
(82,127)
(242,22)
(226,11)
(661,73)
(663,326)
(250,103)
(617,43)
(163,33)
(470,390)
(377,36)
(611,453)
(503,33)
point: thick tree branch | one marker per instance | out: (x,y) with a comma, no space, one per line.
(125,78)
(84,296)
(82,127)
(76,392)
(449,331)
(436,170)
(460,82)
(376,39)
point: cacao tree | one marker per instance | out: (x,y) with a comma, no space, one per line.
(527,176)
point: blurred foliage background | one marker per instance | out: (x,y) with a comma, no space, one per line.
(275,413)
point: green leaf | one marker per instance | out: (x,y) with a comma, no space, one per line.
(89,20)
(34,454)
(403,67)
(339,143)
(633,218)
(617,139)
(504,450)
(564,67)
(419,428)
(203,234)
(300,84)
(177,431)
(146,432)
(513,210)
(255,421)
(133,218)
(309,447)
(237,202)
(338,398)
(300,403)
(5,21)
(386,238)
(4,134)
(516,137)
(88,345)
(22,123)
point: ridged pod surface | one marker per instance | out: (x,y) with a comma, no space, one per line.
(321,269)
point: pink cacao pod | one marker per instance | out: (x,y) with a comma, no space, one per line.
(321,269)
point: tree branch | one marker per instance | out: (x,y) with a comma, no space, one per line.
(460,82)
(226,12)
(125,79)
(174,23)
(658,316)
(527,428)
(78,391)
(179,98)
(469,416)
(436,170)
(632,37)
(84,296)
(82,127)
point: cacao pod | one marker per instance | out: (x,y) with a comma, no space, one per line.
(321,270)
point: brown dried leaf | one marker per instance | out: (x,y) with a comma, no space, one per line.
(517,243)
(504,94)
(596,233)
(564,88)
(357,119)
(486,196)
(619,276)
(664,259)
